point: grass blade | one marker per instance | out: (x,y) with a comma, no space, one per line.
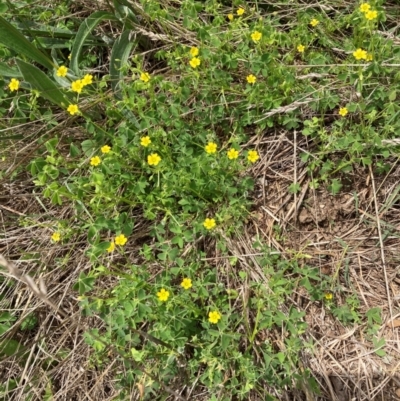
(83,33)
(7,71)
(14,40)
(41,82)
(119,57)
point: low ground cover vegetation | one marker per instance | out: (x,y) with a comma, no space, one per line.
(146,133)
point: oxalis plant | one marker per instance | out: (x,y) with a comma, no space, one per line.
(164,167)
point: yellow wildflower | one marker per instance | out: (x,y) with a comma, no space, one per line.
(301,48)
(121,240)
(105,149)
(209,224)
(56,236)
(371,15)
(211,147)
(343,111)
(214,317)
(87,80)
(111,247)
(73,109)
(252,156)
(13,85)
(153,159)
(163,295)
(95,161)
(256,36)
(145,77)
(328,296)
(251,79)
(62,71)
(77,86)
(194,62)
(230,17)
(364,7)
(314,22)
(360,54)
(186,283)
(370,57)
(145,141)
(194,51)
(240,11)
(232,154)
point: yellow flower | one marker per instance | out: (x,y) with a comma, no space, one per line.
(77,86)
(111,247)
(145,77)
(153,159)
(360,54)
(73,109)
(62,71)
(145,141)
(370,57)
(186,283)
(240,11)
(256,36)
(328,296)
(301,48)
(232,154)
(314,22)
(163,295)
(121,240)
(56,236)
(87,80)
(13,85)
(211,147)
(209,224)
(95,161)
(343,111)
(194,51)
(251,79)
(194,62)
(230,17)
(252,156)
(371,15)
(105,149)
(364,7)
(214,317)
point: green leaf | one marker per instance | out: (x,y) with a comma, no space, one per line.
(374,315)
(7,71)
(13,347)
(3,8)
(34,29)
(84,284)
(119,57)
(83,33)
(41,82)
(13,39)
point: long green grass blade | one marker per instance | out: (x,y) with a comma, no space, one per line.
(44,30)
(126,11)
(41,82)
(14,40)
(83,33)
(7,71)
(119,57)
